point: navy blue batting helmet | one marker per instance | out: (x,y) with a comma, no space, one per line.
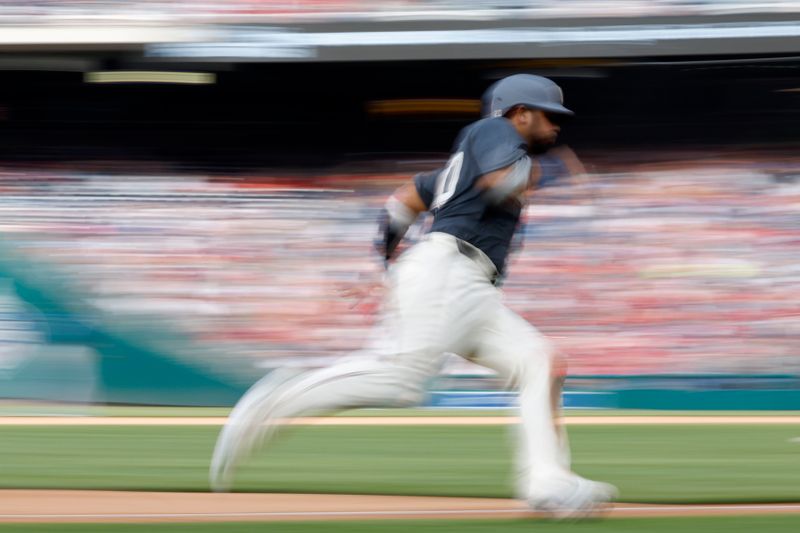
(531,91)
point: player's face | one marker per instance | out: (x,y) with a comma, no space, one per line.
(542,128)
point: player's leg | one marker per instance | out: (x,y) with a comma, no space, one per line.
(559,376)
(404,352)
(519,353)
(521,461)
(349,384)
(524,358)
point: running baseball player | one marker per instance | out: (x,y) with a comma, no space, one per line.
(441,298)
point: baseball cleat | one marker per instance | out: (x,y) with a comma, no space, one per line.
(572,497)
(239,439)
(223,462)
(249,425)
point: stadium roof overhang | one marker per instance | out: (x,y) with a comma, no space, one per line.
(419,40)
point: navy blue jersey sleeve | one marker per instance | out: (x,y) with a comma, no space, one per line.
(552,168)
(495,144)
(425,182)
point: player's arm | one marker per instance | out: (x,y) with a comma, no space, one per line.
(500,159)
(508,182)
(399,212)
(562,166)
(559,162)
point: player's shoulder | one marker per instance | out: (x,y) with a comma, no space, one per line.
(495,130)
(493,125)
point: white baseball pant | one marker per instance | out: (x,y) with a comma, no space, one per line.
(439,301)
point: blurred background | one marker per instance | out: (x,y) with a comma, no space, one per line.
(188,187)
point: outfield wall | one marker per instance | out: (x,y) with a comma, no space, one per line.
(649,399)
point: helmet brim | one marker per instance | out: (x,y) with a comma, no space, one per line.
(553,108)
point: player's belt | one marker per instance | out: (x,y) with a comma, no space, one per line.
(476,255)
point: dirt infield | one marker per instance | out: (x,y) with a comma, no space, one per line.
(113,506)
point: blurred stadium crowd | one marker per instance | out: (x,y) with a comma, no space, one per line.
(155,10)
(684,266)
(673,267)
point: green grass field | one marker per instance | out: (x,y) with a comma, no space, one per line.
(746,524)
(728,463)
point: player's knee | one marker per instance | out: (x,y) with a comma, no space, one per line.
(542,354)
(540,359)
